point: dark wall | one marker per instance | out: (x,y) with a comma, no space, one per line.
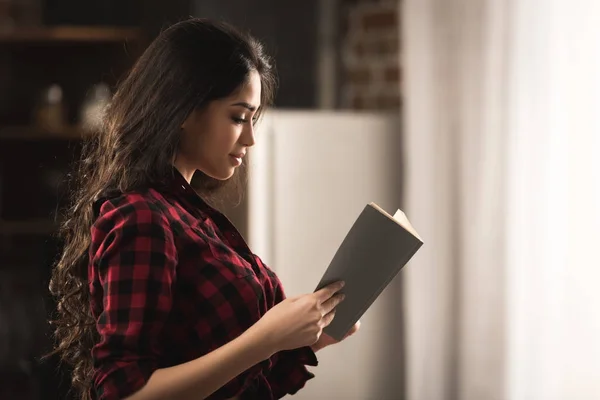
(289,31)
(157,15)
(82,12)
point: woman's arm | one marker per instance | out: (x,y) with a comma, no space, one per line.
(133,266)
(199,378)
(134,263)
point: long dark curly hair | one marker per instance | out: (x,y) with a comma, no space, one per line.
(188,65)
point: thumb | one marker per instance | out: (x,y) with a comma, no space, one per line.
(353,330)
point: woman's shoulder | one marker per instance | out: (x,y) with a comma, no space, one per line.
(133,222)
(134,207)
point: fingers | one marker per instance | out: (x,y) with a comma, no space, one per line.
(332,303)
(353,330)
(327,318)
(325,293)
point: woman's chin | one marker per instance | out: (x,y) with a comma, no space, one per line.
(222,175)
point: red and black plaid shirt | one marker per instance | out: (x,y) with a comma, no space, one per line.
(171,280)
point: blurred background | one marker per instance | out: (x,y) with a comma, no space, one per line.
(479,118)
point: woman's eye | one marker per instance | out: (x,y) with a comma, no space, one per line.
(239,120)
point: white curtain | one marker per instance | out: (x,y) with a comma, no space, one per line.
(502,149)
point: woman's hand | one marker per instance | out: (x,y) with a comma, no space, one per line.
(299,321)
(326,340)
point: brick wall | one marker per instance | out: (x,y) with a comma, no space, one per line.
(370,55)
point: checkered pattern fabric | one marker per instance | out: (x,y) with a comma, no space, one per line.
(171,279)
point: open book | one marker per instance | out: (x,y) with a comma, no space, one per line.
(375,249)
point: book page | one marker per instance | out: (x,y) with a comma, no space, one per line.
(403,220)
(400,218)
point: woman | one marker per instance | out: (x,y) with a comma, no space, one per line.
(159,296)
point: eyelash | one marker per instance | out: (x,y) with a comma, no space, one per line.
(241,121)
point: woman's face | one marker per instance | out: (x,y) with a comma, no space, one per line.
(215,139)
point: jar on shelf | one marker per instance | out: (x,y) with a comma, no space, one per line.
(50,112)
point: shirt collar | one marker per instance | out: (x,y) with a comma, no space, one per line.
(179,186)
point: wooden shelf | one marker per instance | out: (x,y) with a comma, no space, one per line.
(71,132)
(29,227)
(57,34)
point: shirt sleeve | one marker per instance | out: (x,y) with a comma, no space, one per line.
(289,373)
(132,264)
